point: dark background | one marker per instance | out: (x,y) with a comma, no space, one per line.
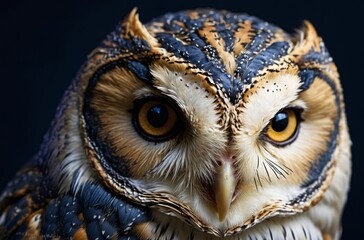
(43,43)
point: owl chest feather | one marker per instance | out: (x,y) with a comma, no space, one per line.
(93,213)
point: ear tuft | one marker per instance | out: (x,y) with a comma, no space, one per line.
(310,35)
(306,40)
(132,27)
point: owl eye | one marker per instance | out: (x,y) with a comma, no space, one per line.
(155,119)
(283,127)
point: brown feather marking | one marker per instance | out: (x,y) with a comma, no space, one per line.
(326,236)
(242,37)
(80,234)
(34,226)
(144,231)
(213,38)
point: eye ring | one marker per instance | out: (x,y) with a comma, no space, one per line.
(156,119)
(283,128)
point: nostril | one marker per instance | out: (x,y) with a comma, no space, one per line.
(219,163)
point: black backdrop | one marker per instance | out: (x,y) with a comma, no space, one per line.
(43,43)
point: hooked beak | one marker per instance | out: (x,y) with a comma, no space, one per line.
(224,188)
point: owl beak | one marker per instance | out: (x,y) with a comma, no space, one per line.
(225,188)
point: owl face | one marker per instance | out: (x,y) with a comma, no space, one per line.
(218,119)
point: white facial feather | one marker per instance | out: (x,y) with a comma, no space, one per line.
(202,137)
(267,100)
(271,96)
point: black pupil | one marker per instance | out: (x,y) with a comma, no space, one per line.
(280,122)
(157,115)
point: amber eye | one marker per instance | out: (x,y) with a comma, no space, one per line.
(283,126)
(155,119)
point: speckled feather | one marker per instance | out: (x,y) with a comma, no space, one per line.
(77,187)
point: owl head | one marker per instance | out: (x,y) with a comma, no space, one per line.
(217,119)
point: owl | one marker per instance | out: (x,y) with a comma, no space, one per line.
(202,124)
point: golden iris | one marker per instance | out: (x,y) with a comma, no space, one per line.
(283,126)
(156,119)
